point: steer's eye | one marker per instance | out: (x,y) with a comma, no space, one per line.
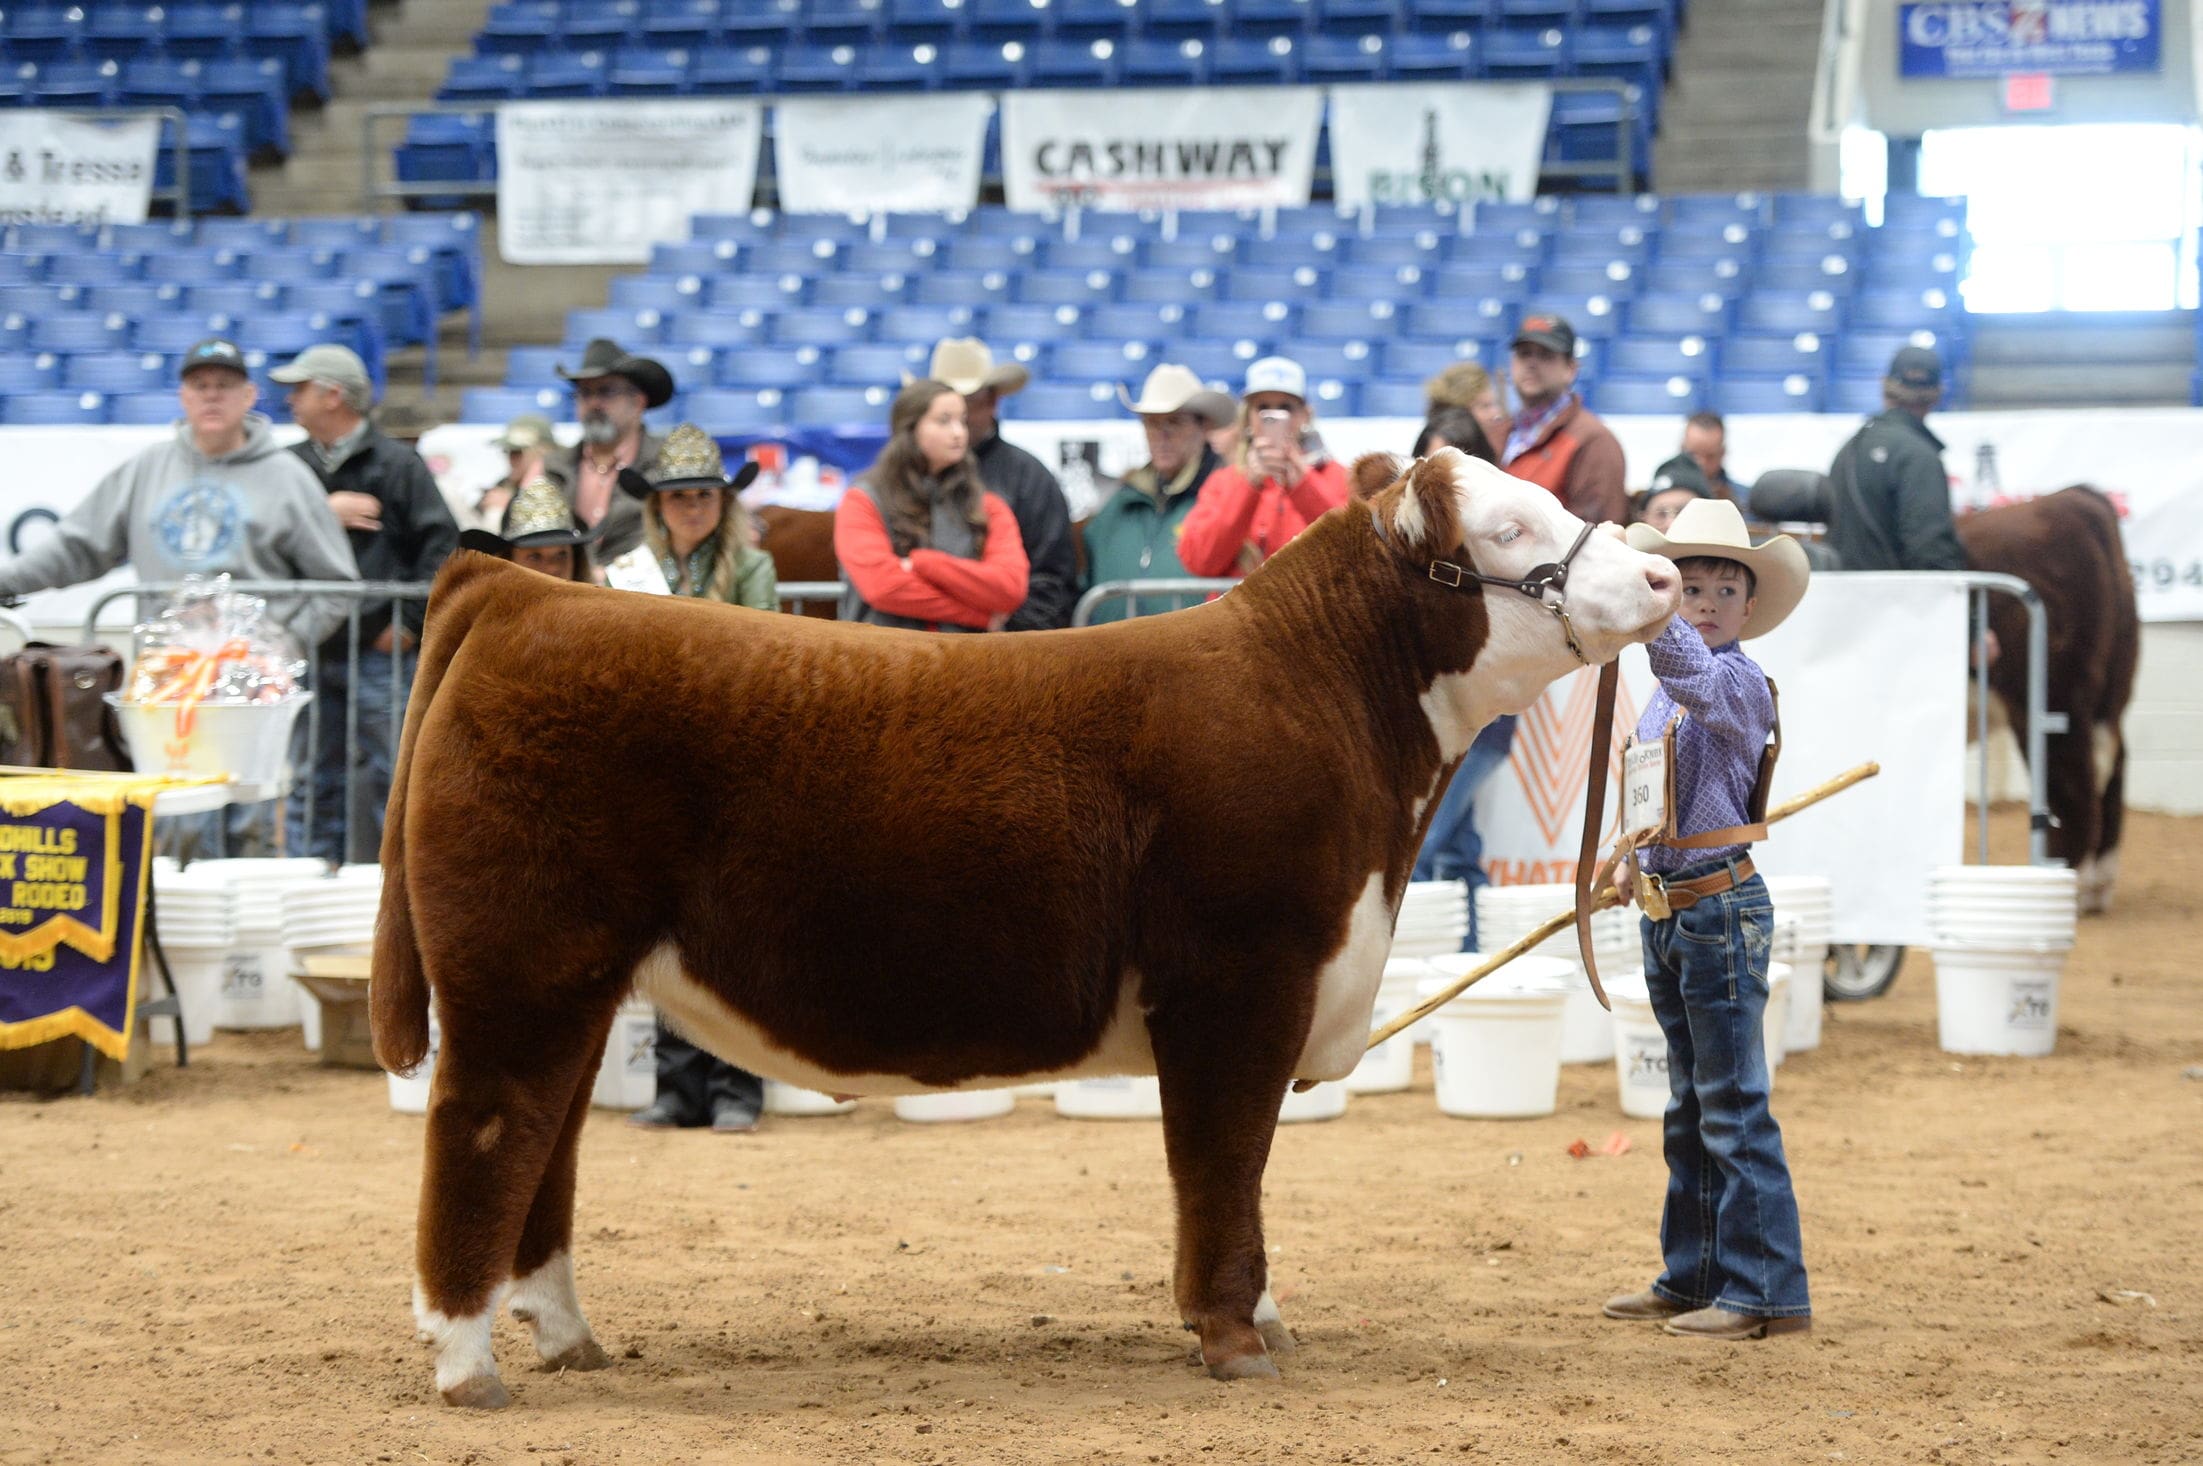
(1508,535)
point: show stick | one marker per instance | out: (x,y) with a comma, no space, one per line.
(1606,898)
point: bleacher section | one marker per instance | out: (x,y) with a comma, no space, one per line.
(666,48)
(92,324)
(1740,304)
(234,69)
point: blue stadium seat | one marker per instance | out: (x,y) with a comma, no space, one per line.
(143,409)
(1829,272)
(1393,398)
(1708,242)
(158,81)
(1162,61)
(174,335)
(818,327)
(924,20)
(1615,211)
(1854,394)
(815,68)
(1336,397)
(599,26)
(1101,361)
(1061,63)
(1348,361)
(979,65)
(684,23)
(1726,277)
(1627,52)
(1006,20)
(647,71)
(1434,57)
(629,328)
(1867,353)
(1912,210)
(1221,361)
(1242,60)
(281,262)
(501,405)
(1133,321)
(1804,354)
(53,409)
(1595,315)
(1095,252)
(1186,253)
(967,288)
(1428,358)
(1717,209)
(926,323)
(1346,320)
(519,27)
(530,365)
(1095,19)
(482,79)
(664,294)
(1033,323)
(115,371)
(785,367)
(1271,17)
(1199,19)
(1817,209)
(1373,283)
(22,371)
(1254,320)
(703,328)
(236,297)
(719,411)
(1789,394)
(1615,278)
(1495,216)
(1080,288)
(865,290)
(134,298)
(1291,250)
(1661,356)
(22,269)
(79,331)
(119,32)
(752,21)
(253,88)
(66,83)
(1525,55)
(846,22)
(1263,284)
(896,67)
(1533,12)
(875,365)
(214,148)
(446,149)
(153,236)
(1392,251)
(1476,280)
(296,33)
(696,257)
(1068,402)
(44,32)
(986,252)
(1787,311)
(1593,245)
(92,268)
(1902,309)
(835,407)
(555,74)
(1342,58)
(1623,395)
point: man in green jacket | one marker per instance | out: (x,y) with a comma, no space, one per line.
(1134,535)
(1889,499)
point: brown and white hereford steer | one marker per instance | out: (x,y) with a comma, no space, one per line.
(1171,846)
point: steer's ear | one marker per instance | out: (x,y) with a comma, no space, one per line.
(1421,508)
(1374,473)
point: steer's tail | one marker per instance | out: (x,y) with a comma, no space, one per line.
(397,993)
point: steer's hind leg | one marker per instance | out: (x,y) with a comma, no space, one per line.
(543,1295)
(1221,1091)
(504,1093)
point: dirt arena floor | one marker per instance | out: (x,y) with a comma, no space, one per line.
(213,1265)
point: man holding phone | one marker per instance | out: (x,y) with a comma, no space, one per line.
(1279,481)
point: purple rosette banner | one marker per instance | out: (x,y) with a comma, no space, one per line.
(74,853)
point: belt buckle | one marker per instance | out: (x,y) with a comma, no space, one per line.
(1652,895)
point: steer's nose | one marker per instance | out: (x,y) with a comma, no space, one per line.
(1660,574)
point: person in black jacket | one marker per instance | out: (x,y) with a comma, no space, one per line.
(400,529)
(1889,498)
(1023,481)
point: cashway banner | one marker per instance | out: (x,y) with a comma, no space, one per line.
(1195,148)
(73,857)
(584,183)
(908,154)
(59,169)
(1903,637)
(1456,142)
(1957,39)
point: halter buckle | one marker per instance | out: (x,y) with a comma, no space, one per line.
(1454,573)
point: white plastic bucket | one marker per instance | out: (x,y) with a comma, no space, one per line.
(1112,1097)
(257,991)
(309,1016)
(1640,1049)
(793,1099)
(247,742)
(1586,1030)
(1496,1051)
(409,1092)
(198,974)
(1390,1066)
(974,1104)
(1996,1002)
(1327,1101)
(627,1076)
(1803,1031)
(1775,1021)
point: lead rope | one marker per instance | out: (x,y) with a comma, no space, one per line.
(1594,812)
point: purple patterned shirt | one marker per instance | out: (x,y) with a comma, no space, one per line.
(1717,749)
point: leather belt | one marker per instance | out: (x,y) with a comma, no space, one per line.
(1683,895)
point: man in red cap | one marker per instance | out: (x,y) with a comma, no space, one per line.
(1556,442)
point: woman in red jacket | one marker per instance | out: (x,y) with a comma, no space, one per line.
(922,542)
(1272,491)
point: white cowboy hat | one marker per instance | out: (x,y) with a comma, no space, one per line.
(1174,388)
(965,365)
(1715,527)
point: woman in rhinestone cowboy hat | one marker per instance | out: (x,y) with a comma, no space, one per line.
(538,533)
(696,537)
(696,543)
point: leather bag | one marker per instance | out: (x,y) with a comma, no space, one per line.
(53,708)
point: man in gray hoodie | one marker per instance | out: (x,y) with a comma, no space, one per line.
(221,498)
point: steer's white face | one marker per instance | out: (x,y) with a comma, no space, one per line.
(1615,596)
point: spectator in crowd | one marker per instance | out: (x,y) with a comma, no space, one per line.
(220,498)
(394,516)
(613,388)
(1134,535)
(1555,442)
(1889,498)
(1467,386)
(1023,481)
(1706,448)
(694,527)
(524,442)
(922,542)
(1453,850)
(1454,427)
(538,533)
(1676,484)
(1279,482)
(1224,437)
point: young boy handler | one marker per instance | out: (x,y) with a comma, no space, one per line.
(1695,794)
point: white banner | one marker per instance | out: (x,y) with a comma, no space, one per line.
(1870,667)
(59,169)
(1450,141)
(1192,148)
(904,154)
(600,183)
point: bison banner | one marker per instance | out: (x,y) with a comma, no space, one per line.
(1195,148)
(73,860)
(1452,142)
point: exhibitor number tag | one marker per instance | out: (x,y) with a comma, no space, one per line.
(1647,787)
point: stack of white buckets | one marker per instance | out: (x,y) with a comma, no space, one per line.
(2001,934)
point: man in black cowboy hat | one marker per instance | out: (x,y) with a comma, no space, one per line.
(613,388)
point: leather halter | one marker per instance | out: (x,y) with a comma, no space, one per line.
(1551,576)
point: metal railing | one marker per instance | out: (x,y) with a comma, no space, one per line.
(357,595)
(1181,591)
(2041,722)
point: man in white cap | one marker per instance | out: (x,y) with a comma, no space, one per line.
(1280,483)
(400,529)
(1023,481)
(1134,535)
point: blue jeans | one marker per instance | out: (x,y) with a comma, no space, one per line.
(342,834)
(1452,850)
(1729,1233)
